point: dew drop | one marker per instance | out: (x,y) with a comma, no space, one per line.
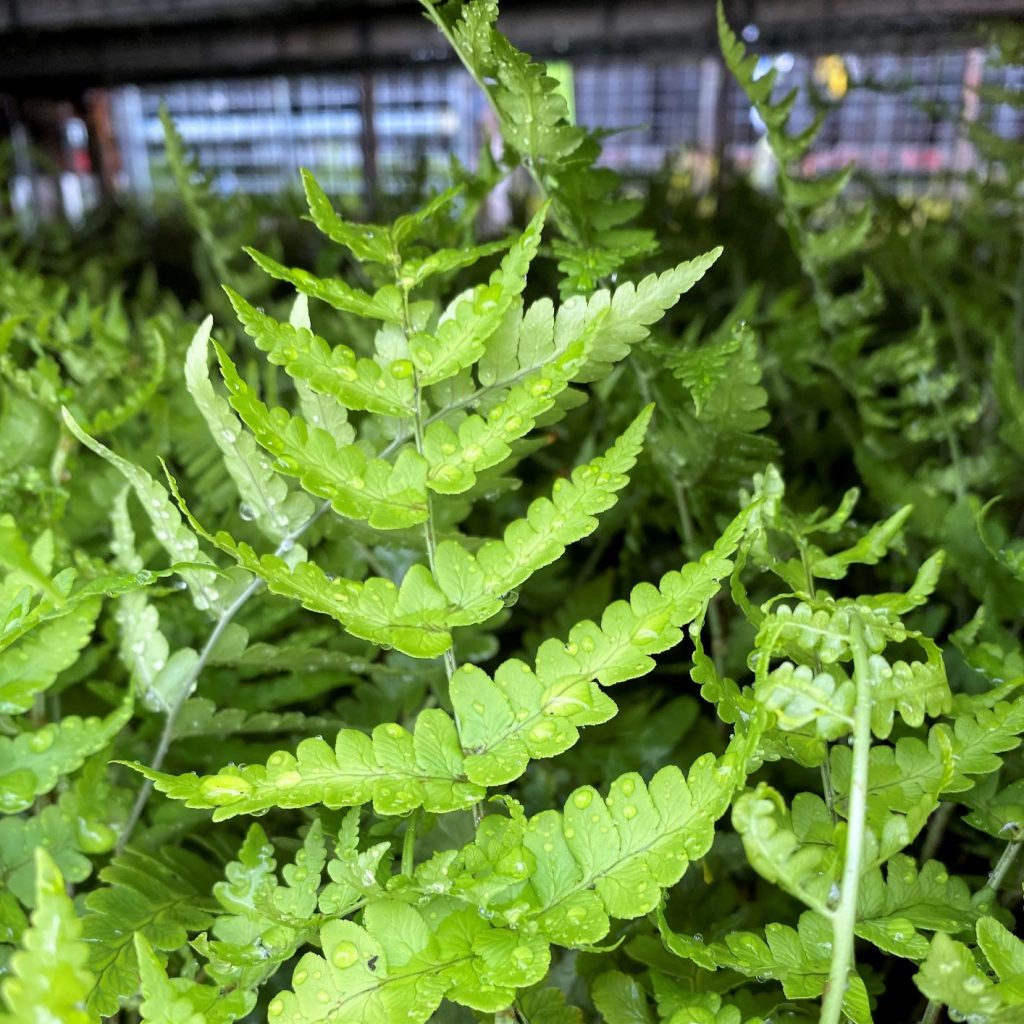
(225,789)
(42,740)
(523,956)
(582,798)
(542,732)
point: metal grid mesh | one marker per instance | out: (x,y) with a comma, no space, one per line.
(901,123)
(65,14)
(254,134)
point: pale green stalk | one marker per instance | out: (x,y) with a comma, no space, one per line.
(170,722)
(844,918)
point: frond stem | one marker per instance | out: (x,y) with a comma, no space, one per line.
(174,711)
(845,917)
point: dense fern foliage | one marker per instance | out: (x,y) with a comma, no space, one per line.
(357,534)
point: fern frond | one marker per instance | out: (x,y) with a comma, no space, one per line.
(954,977)
(182,1000)
(353,381)
(563,875)
(32,763)
(156,674)
(793,849)
(523,713)
(31,666)
(396,769)
(48,978)
(402,962)
(171,533)
(162,897)
(462,332)
(798,958)
(384,305)
(358,484)
(264,494)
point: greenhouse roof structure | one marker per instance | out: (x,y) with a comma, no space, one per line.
(56,45)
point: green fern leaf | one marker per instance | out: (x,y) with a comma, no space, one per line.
(48,979)
(168,528)
(892,911)
(464,328)
(798,696)
(476,584)
(521,713)
(904,784)
(16,555)
(369,243)
(32,763)
(411,618)
(603,858)
(358,484)
(457,451)
(793,849)
(31,666)
(161,897)
(54,829)
(980,737)
(265,494)
(156,674)
(264,923)
(620,999)
(183,1001)
(402,962)
(798,958)
(952,976)
(384,305)
(628,313)
(355,382)
(396,769)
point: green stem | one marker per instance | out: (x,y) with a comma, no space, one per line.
(429,533)
(936,830)
(409,844)
(1006,861)
(826,768)
(1002,868)
(844,919)
(569,230)
(170,722)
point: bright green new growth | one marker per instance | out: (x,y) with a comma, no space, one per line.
(48,978)
(455,392)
